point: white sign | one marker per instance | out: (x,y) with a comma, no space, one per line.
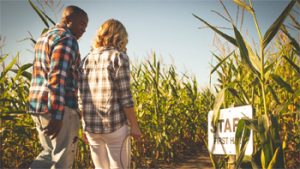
(222,141)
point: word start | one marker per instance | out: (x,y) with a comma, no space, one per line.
(225,125)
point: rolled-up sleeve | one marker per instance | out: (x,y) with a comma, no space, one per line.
(123,81)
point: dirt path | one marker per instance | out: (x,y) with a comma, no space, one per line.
(200,160)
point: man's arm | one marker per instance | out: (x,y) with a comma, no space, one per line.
(60,62)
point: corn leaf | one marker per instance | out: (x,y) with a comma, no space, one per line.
(273,94)
(282,83)
(293,40)
(227,37)
(8,67)
(22,71)
(289,101)
(238,136)
(255,60)
(244,94)
(274,159)
(255,81)
(255,159)
(241,144)
(244,51)
(294,65)
(235,94)
(274,131)
(269,67)
(263,159)
(220,62)
(266,123)
(218,58)
(267,147)
(273,29)
(26,66)
(260,128)
(2,58)
(244,5)
(251,123)
(276,141)
(17,71)
(219,14)
(32,40)
(48,18)
(296,24)
(44,31)
(218,102)
(39,12)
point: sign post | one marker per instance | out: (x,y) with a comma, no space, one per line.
(221,140)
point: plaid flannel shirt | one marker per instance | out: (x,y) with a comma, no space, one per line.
(104,89)
(54,82)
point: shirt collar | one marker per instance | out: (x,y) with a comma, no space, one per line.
(103,48)
(63,26)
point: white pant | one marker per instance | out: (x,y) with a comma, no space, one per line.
(112,150)
(60,151)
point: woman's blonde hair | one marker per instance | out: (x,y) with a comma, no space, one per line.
(111,33)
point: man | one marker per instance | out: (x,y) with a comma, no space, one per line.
(53,91)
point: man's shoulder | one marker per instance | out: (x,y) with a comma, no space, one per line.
(62,33)
(57,35)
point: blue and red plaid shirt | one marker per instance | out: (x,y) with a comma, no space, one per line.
(55,73)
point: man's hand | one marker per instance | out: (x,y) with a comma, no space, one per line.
(53,128)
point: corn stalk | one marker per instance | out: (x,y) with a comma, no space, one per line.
(171,112)
(264,79)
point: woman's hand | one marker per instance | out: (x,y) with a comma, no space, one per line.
(135,132)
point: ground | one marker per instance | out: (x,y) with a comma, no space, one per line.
(199,159)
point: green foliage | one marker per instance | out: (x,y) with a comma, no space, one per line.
(16,126)
(247,77)
(171,110)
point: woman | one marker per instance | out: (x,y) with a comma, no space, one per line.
(105,97)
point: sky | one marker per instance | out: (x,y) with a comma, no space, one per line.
(164,27)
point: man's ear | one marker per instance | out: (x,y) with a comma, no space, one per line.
(68,21)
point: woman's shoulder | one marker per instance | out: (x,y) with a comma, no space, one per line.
(120,56)
(113,53)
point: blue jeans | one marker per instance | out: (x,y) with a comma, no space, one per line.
(60,151)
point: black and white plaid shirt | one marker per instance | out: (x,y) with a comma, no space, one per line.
(104,87)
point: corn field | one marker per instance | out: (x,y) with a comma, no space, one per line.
(269,81)
(172,110)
